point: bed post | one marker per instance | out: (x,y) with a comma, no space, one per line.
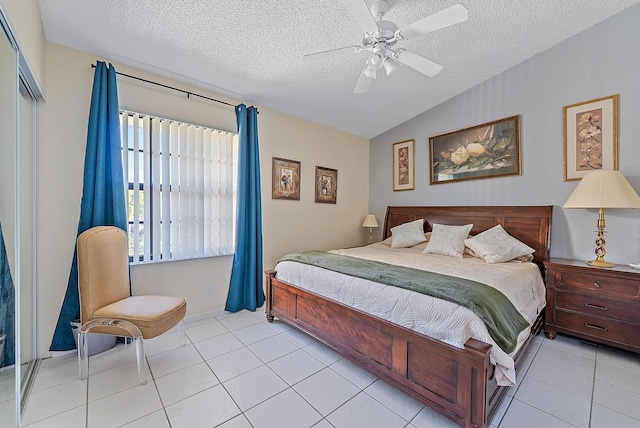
(269,275)
(479,366)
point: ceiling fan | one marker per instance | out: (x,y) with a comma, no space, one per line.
(380,38)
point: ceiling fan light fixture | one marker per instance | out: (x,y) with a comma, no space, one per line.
(375,61)
(390,66)
(379,8)
(369,72)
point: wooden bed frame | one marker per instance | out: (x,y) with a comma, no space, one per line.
(458,383)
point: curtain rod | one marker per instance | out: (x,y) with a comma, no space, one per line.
(170,87)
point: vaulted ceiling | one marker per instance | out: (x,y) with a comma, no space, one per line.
(252,50)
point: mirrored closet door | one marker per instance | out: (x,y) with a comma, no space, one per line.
(26,211)
(17,232)
(8,208)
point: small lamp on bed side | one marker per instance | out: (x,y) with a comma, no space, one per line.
(370,222)
(603,189)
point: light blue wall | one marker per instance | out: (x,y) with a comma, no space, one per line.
(601,61)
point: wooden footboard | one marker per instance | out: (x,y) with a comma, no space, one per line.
(450,380)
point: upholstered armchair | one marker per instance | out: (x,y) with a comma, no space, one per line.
(106,305)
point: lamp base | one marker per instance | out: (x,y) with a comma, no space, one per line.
(600,263)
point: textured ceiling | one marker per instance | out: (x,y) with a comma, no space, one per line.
(252,50)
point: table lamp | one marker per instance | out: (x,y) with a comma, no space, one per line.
(370,222)
(603,189)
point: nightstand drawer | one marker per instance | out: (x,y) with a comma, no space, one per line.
(599,327)
(623,310)
(601,284)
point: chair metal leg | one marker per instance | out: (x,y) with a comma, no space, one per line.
(142,372)
(83,355)
(183,337)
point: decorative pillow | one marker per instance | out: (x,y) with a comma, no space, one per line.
(447,240)
(495,245)
(408,234)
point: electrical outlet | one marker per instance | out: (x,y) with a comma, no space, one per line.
(208,291)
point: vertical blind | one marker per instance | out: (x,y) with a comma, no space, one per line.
(181,187)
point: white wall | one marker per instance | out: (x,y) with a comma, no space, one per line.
(24,19)
(287,225)
(305,225)
(598,62)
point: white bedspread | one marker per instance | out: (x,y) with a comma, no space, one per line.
(442,320)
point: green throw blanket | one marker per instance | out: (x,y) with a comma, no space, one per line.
(502,319)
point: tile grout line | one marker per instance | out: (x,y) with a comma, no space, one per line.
(214,374)
(299,348)
(513,397)
(608,383)
(242,412)
(593,385)
(153,379)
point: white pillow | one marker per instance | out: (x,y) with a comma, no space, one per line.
(495,245)
(447,240)
(408,234)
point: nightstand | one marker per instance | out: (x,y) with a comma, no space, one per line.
(601,305)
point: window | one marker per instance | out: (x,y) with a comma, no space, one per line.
(181,188)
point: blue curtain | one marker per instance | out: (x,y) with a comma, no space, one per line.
(103,197)
(245,289)
(7,308)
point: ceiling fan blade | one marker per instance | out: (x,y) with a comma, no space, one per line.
(363,83)
(445,18)
(361,13)
(332,53)
(418,63)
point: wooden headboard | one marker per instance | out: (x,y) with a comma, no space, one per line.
(528,224)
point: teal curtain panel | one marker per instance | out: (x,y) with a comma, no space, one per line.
(103,198)
(245,288)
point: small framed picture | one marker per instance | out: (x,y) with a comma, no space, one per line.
(285,179)
(326,185)
(404,166)
(590,137)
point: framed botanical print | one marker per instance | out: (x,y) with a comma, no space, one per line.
(285,179)
(590,137)
(404,166)
(482,151)
(326,185)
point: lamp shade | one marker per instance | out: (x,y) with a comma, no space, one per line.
(603,189)
(370,221)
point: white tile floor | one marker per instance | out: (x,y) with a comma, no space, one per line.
(237,370)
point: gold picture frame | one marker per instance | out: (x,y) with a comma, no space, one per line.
(285,179)
(404,168)
(326,185)
(482,151)
(590,137)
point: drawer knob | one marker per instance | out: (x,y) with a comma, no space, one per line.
(595,284)
(596,327)
(589,305)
